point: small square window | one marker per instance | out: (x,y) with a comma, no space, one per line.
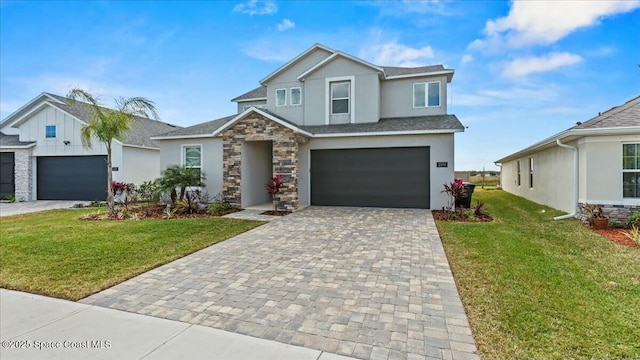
(50,131)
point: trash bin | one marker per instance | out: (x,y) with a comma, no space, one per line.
(465,202)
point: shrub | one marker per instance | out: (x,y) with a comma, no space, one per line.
(634,234)
(149,191)
(634,219)
(219,207)
(456,191)
(180,177)
(274,188)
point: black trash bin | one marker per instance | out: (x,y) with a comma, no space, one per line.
(465,202)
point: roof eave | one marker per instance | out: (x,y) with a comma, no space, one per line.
(9,119)
(295,60)
(389,133)
(18,146)
(251,99)
(449,74)
(335,55)
(176,137)
(240,116)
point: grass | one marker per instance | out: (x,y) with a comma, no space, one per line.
(538,288)
(53,253)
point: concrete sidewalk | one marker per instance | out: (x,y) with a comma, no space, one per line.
(47,328)
(17,208)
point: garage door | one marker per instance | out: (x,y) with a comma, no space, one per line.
(380,177)
(7,166)
(72,178)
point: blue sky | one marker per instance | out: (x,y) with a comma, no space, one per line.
(524,70)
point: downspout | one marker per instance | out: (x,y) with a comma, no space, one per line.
(575,176)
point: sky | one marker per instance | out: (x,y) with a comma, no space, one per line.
(524,70)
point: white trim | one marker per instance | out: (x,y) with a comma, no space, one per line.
(435,73)
(291,95)
(18,146)
(426,94)
(141,147)
(624,201)
(175,137)
(26,106)
(295,60)
(285,97)
(389,133)
(309,176)
(265,114)
(352,94)
(252,99)
(183,156)
(329,59)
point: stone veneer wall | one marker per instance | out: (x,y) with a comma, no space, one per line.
(285,157)
(618,214)
(23,174)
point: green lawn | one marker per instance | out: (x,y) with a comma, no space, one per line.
(538,288)
(53,253)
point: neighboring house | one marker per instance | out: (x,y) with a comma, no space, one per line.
(595,162)
(43,157)
(339,130)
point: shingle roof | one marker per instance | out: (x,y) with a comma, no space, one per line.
(625,115)
(257,93)
(13,141)
(396,71)
(200,129)
(404,124)
(141,129)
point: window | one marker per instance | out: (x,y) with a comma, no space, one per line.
(193,156)
(531,172)
(518,177)
(281,97)
(631,170)
(426,94)
(296,98)
(257,106)
(50,131)
(340,97)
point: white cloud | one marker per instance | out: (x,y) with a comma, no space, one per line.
(545,22)
(257,7)
(393,54)
(286,24)
(265,51)
(532,64)
(466,58)
(602,51)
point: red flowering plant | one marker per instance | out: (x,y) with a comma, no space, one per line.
(456,192)
(274,188)
(122,191)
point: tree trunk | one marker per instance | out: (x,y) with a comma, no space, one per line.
(110,201)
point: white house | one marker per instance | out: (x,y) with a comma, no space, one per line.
(42,157)
(594,162)
(339,131)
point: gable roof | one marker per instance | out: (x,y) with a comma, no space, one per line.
(334,56)
(139,135)
(619,120)
(295,60)
(205,129)
(259,93)
(13,141)
(269,115)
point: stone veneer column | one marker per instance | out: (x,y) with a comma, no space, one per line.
(23,174)
(285,157)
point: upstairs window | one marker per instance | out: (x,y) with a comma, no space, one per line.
(296,96)
(193,156)
(426,94)
(631,170)
(257,106)
(50,131)
(340,92)
(281,97)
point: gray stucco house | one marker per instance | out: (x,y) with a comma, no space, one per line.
(339,131)
(42,157)
(594,162)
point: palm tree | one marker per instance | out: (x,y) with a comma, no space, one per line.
(106,125)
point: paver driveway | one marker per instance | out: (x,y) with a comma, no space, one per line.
(363,282)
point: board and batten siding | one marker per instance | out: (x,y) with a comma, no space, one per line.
(441,149)
(171,153)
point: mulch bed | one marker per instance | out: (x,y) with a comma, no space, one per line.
(158,212)
(276,213)
(444,215)
(618,236)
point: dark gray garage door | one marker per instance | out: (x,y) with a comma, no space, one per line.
(7,179)
(389,177)
(72,178)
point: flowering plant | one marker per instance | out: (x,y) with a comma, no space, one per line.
(274,188)
(456,191)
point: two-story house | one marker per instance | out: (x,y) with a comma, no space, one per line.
(337,129)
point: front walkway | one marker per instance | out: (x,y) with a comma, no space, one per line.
(362,282)
(17,208)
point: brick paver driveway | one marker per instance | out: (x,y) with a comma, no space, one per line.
(363,282)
